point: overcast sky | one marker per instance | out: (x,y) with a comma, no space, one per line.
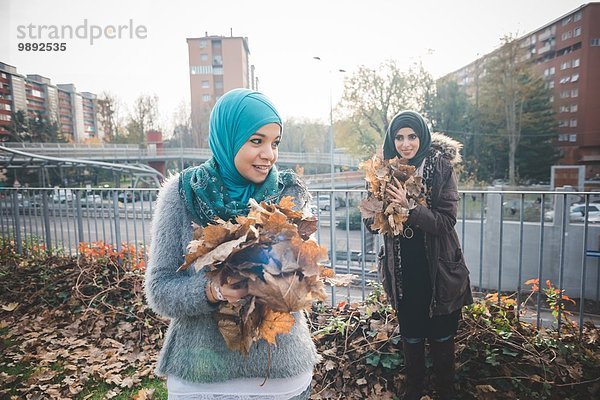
(284,36)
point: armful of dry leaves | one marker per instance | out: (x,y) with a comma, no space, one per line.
(389,217)
(271,252)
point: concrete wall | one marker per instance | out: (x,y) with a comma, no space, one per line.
(569,253)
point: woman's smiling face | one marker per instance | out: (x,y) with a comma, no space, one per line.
(407,142)
(256,157)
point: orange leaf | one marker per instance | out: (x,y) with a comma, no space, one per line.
(274,323)
(287,202)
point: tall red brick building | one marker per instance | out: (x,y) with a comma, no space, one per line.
(217,64)
(566,52)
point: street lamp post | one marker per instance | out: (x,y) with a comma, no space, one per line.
(331,136)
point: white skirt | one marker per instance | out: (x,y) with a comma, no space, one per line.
(239,389)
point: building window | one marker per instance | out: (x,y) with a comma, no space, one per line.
(206,97)
(218,71)
(563,137)
(565,65)
(563,123)
(573,137)
(205,84)
(577,31)
(551,85)
(567,20)
(566,35)
(577,16)
(564,108)
(573,123)
(201,69)
(203,44)
(574,77)
(551,99)
(203,57)
(3,75)
(218,84)
(565,79)
(573,107)
(595,42)
(576,63)
(575,93)
(216,44)
(4,117)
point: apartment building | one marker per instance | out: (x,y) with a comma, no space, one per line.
(217,64)
(566,53)
(75,113)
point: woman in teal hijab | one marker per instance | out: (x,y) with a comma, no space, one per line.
(216,188)
(244,134)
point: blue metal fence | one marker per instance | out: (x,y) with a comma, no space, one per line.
(507,236)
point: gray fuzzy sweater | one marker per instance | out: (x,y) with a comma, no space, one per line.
(194,349)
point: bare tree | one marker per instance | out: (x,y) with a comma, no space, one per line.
(505,90)
(144,116)
(373,96)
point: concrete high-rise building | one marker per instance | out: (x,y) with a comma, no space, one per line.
(75,113)
(566,53)
(217,64)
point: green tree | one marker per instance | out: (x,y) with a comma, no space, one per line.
(373,96)
(34,128)
(18,128)
(536,152)
(516,117)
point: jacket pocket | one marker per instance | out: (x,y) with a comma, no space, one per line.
(452,279)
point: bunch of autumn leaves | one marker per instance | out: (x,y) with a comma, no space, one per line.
(389,217)
(270,250)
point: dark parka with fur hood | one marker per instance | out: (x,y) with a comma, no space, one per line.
(447,269)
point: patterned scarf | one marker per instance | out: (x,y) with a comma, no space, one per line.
(216,188)
(206,198)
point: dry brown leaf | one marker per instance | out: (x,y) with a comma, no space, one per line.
(370,206)
(341,279)
(286,202)
(10,307)
(307,226)
(220,253)
(285,293)
(144,394)
(274,323)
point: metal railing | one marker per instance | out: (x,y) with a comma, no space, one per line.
(110,151)
(507,237)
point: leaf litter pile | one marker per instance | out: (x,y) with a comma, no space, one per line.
(77,328)
(389,217)
(271,252)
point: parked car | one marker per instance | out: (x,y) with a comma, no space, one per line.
(91,200)
(577,213)
(125,197)
(324,202)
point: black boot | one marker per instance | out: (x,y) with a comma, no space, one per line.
(442,354)
(414,357)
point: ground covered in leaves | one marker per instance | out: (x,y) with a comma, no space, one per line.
(79,328)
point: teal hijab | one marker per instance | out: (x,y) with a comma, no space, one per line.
(216,188)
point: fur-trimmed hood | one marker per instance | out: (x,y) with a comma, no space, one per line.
(450,148)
